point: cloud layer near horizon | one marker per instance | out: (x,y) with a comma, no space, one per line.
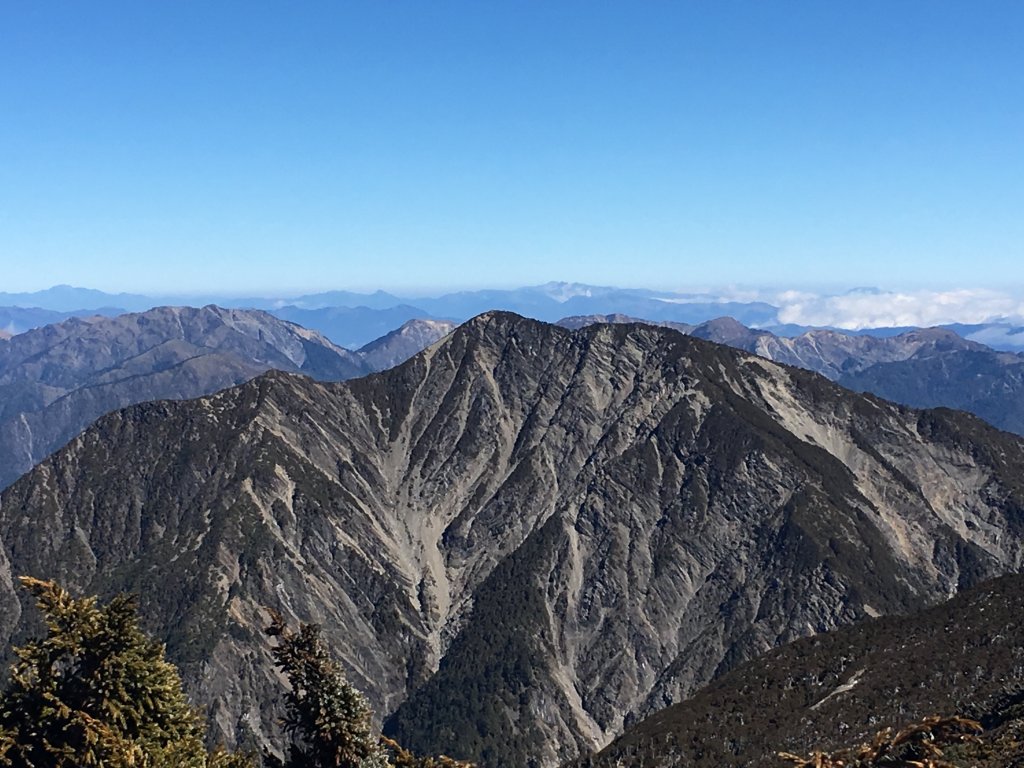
(877,309)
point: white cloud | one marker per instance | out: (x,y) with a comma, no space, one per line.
(873,309)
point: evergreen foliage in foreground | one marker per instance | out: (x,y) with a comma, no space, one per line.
(97,692)
(328,719)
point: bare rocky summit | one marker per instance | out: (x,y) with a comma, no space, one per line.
(402,343)
(523,539)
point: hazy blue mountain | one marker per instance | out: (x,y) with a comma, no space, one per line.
(67,298)
(375,300)
(351,327)
(15,320)
(987,383)
(1008,337)
(55,380)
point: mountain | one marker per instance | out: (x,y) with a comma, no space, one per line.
(66,298)
(351,327)
(575,322)
(1004,336)
(15,320)
(828,352)
(523,539)
(54,381)
(962,657)
(404,342)
(552,301)
(924,368)
(375,300)
(987,383)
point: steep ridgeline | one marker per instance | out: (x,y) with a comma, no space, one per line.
(56,380)
(523,538)
(830,353)
(963,657)
(404,342)
(924,368)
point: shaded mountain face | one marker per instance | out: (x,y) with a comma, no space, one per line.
(524,538)
(404,342)
(56,380)
(839,688)
(982,381)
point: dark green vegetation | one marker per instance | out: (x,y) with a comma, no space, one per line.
(533,536)
(964,657)
(327,720)
(97,692)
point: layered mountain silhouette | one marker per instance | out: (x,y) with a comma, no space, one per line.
(962,657)
(524,538)
(56,380)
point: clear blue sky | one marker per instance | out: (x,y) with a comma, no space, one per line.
(259,146)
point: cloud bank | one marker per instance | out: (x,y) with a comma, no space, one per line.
(870,308)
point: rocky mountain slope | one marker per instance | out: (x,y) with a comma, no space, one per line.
(924,368)
(963,657)
(402,343)
(830,353)
(56,380)
(523,539)
(987,383)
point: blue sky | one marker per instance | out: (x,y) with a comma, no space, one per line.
(281,147)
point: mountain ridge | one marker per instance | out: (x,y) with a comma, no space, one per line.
(587,525)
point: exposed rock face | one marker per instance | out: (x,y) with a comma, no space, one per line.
(925,368)
(404,342)
(523,538)
(962,657)
(56,380)
(830,353)
(575,322)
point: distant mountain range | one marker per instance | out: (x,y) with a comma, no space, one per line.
(547,302)
(524,538)
(56,380)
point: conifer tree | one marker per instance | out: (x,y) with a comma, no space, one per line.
(327,719)
(96,692)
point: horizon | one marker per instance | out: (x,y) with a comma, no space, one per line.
(854,309)
(170,148)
